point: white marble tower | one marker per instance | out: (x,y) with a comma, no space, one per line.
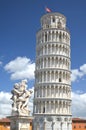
(52,93)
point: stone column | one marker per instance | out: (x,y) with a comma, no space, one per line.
(54,107)
(44,124)
(46,91)
(45,106)
(61,125)
(50,76)
(53,123)
(42,91)
(49,106)
(49,91)
(68,126)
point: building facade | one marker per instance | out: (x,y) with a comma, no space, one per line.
(78,124)
(52,93)
(4,124)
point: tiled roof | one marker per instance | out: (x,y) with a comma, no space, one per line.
(8,120)
(5,120)
(78,119)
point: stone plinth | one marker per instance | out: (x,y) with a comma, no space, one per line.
(20,122)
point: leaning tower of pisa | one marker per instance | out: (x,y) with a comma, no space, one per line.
(52,93)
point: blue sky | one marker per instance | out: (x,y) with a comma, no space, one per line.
(19,22)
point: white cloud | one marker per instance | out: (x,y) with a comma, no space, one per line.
(83,69)
(5,104)
(78,73)
(79,104)
(20,68)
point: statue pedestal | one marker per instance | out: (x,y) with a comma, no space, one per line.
(20,122)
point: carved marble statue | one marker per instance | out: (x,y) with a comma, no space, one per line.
(20,97)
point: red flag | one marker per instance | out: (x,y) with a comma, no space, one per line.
(47,10)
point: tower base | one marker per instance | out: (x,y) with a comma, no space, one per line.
(20,122)
(53,123)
